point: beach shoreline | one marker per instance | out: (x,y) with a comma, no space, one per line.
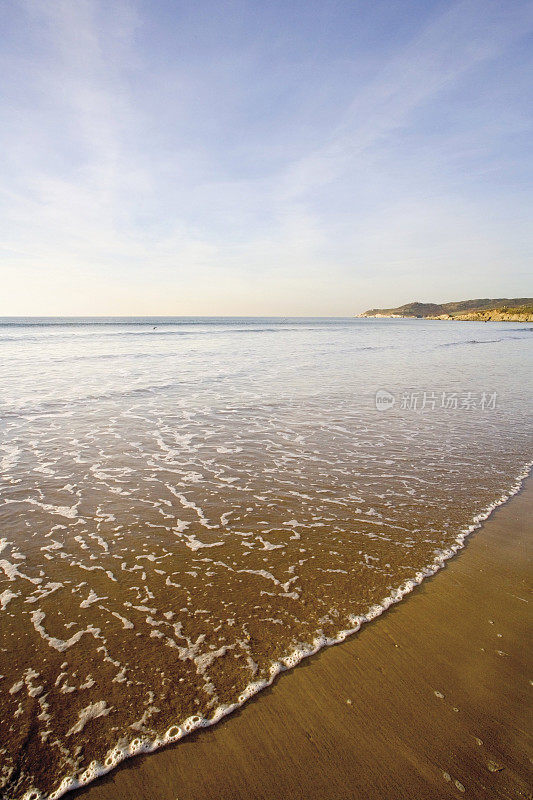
(398,710)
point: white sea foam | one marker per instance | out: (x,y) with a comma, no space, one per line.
(92,598)
(59,644)
(92,711)
(6,596)
(71,512)
(12,572)
(182,728)
(126,623)
(195,544)
(10,458)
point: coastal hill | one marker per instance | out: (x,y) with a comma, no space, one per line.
(518,309)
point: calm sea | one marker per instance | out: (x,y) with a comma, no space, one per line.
(189,505)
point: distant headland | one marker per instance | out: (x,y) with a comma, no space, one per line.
(518,309)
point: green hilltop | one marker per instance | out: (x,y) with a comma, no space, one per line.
(518,309)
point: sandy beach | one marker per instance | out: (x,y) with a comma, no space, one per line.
(428,701)
(264,497)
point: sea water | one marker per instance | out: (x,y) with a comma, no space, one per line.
(190,505)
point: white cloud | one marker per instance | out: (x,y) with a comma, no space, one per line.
(96,218)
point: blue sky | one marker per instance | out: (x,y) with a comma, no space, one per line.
(257,157)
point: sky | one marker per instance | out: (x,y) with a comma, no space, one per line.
(263,157)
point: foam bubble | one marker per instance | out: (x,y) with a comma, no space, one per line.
(173,733)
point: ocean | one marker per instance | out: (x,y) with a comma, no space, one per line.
(189,506)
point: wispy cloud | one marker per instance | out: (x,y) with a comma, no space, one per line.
(214,180)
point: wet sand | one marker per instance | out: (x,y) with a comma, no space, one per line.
(428,701)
